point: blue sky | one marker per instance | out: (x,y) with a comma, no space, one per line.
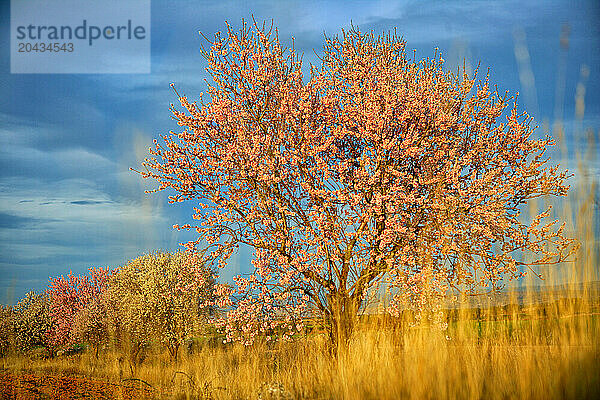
(67,198)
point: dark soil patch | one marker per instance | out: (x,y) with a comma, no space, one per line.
(29,386)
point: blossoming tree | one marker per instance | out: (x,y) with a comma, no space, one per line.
(161,296)
(75,308)
(32,323)
(374,168)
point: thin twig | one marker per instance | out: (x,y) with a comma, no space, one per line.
(138,379)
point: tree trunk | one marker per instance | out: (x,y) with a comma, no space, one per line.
(173,350)
(340,322)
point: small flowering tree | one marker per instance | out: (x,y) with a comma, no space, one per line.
(375,168)
(91,323)
(162,296)
(32,323)
(69,299)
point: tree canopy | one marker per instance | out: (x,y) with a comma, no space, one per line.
(373,168)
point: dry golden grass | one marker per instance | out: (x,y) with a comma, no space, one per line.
(524,355)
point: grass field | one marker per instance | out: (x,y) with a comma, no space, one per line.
(543,351)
